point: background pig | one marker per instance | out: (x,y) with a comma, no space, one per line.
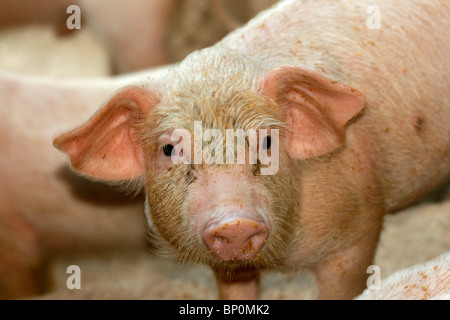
(427,281)
(115,22)
(144,35)
(118,23)
(364,132)
(44,207)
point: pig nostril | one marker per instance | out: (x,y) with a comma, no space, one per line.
(257,240)
(220,239)
(254,237)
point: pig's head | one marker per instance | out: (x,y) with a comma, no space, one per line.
(203,207)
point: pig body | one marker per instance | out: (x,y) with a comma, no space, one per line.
(362,116)
(390,161)
(43,205)
(372,60)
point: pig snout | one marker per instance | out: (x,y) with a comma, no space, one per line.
(235,238)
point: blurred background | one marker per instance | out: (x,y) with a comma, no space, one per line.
(121,37)
(114,37)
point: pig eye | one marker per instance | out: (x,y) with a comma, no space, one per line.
(167,149)
(266,142)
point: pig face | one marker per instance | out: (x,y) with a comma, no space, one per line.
(217,212)
(227,215)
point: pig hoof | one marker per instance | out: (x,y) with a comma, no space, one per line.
(235,239)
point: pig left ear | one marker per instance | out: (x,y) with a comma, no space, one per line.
(107,147)
(316,108)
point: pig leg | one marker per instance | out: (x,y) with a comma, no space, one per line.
(20,276)
(241,285)
(344,276)
(19,257)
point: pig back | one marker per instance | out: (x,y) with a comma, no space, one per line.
(400,65)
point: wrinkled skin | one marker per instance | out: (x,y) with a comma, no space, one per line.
(363,132)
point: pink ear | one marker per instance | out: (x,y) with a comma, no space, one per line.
(107,146)
(317,109)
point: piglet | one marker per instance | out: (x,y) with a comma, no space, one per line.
(285,144)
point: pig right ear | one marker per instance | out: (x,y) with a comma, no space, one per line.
(107,146)
(316,109)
